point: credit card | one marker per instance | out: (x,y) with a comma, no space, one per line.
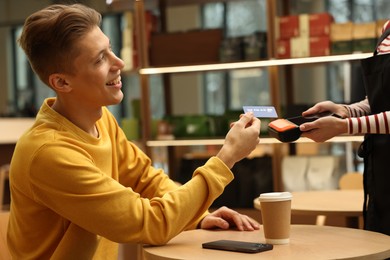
(261,111)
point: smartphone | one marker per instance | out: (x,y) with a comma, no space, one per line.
(299,120)
(237,246)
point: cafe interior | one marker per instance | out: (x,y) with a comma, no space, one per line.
(190,67)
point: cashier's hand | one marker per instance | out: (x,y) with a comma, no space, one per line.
(241,139)
(324,128)
(226,218)
(327,127)
(327,106)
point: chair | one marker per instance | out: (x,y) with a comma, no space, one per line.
(351,181)
(348,181)
(4,253)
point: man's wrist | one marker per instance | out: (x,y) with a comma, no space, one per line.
(226,158)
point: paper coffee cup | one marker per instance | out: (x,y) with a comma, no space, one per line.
(276,216)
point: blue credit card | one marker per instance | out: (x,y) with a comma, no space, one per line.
(261,111)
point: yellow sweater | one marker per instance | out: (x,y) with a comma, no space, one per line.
(75,196)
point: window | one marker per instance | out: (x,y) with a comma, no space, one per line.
(230,90)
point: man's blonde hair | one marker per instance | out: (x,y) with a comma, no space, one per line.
(49,36)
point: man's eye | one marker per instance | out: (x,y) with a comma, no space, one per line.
(100,59)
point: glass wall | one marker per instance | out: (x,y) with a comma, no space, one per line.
(230,90)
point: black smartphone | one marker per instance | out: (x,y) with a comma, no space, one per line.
(299,120)
(237,246)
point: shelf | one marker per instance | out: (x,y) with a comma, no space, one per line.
(266,140)
(253,64)
(124,5)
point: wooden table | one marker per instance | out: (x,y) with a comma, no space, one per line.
(306,242)
(347,203)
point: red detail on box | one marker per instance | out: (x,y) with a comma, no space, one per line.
(288,26)
(319,24)
(283,49)
(319,46)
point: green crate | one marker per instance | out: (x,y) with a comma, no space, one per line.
(341,47)
(364,45)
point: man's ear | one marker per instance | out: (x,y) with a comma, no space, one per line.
(59,83)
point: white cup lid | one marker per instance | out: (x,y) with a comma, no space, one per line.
(275,196)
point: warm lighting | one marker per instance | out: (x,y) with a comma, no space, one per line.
(265,140)
(254,64)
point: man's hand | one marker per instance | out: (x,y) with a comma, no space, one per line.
(241,140)
(226,218)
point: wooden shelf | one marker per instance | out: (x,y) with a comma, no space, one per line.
(254,64)
(220,141)
(124,5)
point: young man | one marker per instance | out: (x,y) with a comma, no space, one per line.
(78,186)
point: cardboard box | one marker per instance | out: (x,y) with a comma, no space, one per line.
(341,31)
(341,47)
(364,45)
(283,49)
(304,25)
(300,47)
(319,24)
(319,46)
(183,48)
(364,31)
(379,26)
(288,27)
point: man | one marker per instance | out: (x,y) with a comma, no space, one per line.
(78,186)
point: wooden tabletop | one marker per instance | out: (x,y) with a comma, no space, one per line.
(306,242)
(347,203)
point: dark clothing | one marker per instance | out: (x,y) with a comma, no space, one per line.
(376,147)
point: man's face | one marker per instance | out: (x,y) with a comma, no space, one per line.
(96,80)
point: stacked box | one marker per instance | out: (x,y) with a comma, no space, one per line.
(283,50)
(364,37)
(303,35)
(300,47)
(379,26)
(320,24)
(341,38)
(319,46)
(288,27)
